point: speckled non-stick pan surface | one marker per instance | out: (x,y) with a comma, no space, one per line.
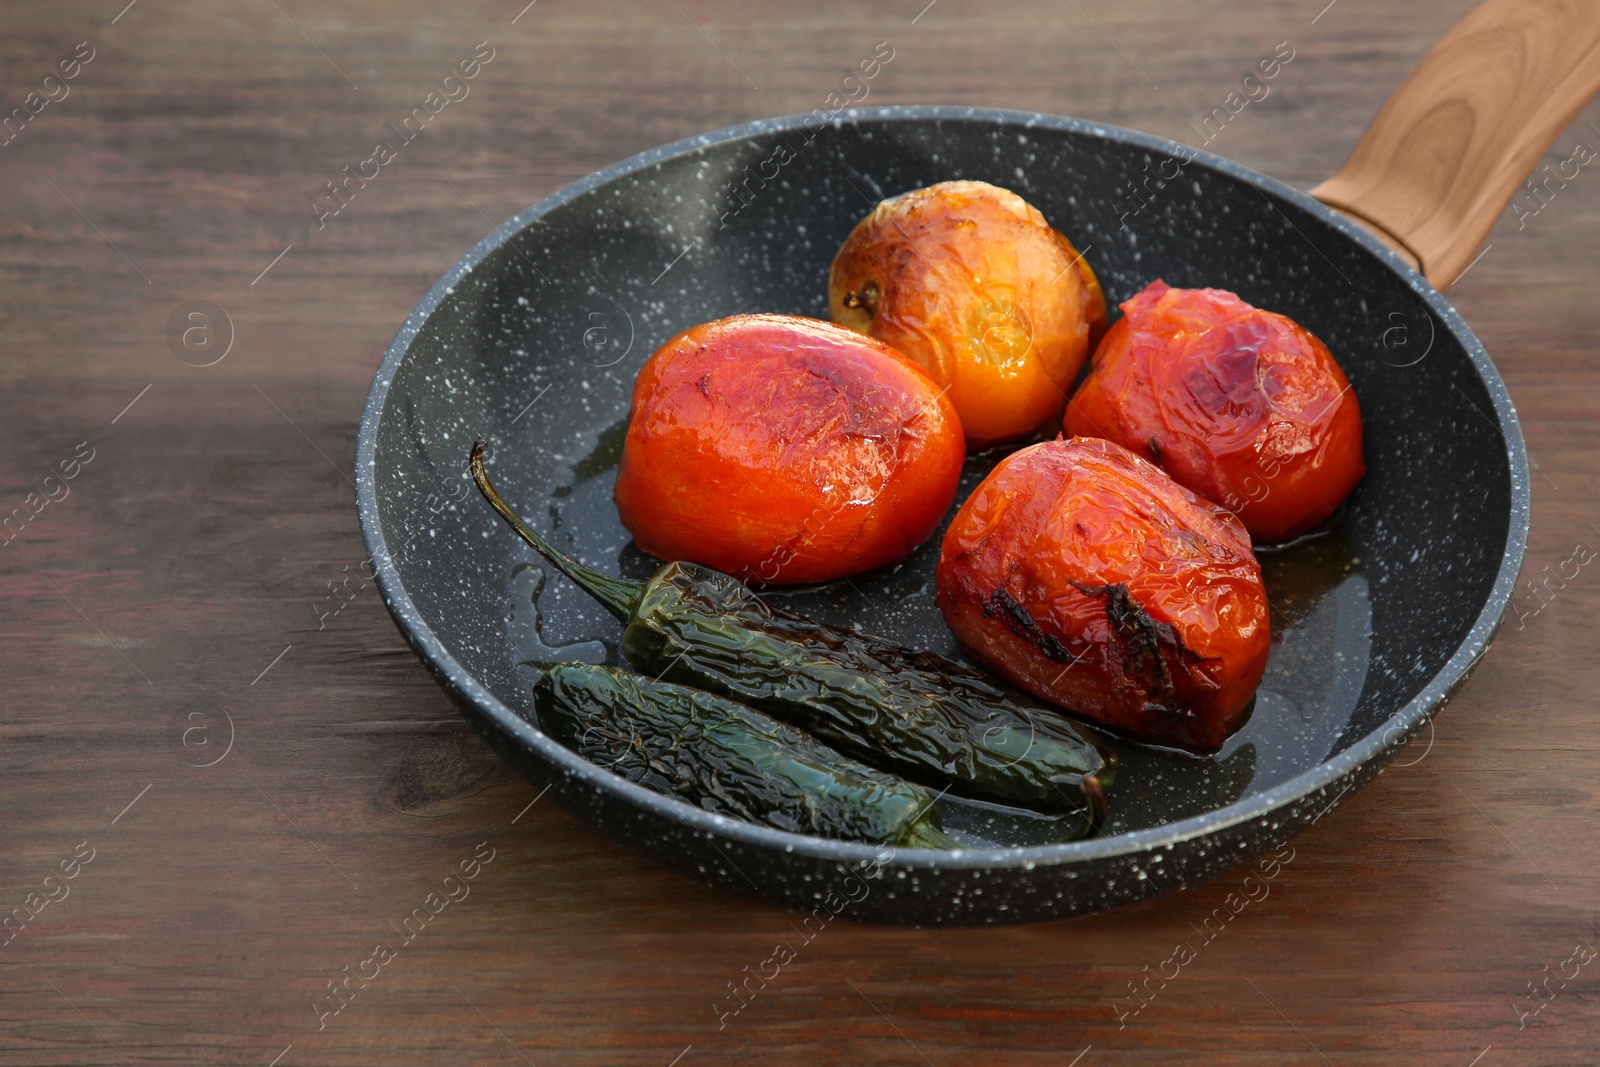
(533,340)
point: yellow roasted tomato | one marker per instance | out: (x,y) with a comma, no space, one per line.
(970,281)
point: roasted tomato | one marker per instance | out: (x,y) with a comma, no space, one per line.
(1241,405)
(1088,577)
(785,450)
(972,283)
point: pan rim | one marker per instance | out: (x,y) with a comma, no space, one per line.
(1375,746)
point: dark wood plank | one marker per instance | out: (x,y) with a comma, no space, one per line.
(197,544)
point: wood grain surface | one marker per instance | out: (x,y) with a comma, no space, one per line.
(1455,143)
(179,581)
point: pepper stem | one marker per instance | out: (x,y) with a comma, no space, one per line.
(919,834)
(1095,794)
(620,596)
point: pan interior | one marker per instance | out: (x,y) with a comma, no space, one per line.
(536,349)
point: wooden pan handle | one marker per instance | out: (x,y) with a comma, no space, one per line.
(1454,143)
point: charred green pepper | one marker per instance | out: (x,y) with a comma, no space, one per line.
(730,759)
(912,712)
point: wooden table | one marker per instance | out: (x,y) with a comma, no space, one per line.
(181,595)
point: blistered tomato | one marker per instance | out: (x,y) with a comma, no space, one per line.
(1241,405)
(1085,575)
(969,280)
(785,450)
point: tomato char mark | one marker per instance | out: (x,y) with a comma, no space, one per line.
(1024,625)
(1141,639)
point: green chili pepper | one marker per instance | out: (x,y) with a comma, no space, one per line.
(730,759)
(911,712)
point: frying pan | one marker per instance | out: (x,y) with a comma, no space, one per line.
(533,339)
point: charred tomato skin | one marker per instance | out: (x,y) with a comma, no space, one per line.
(1086,576)
(971,281)
(785,450)
(1241,405)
